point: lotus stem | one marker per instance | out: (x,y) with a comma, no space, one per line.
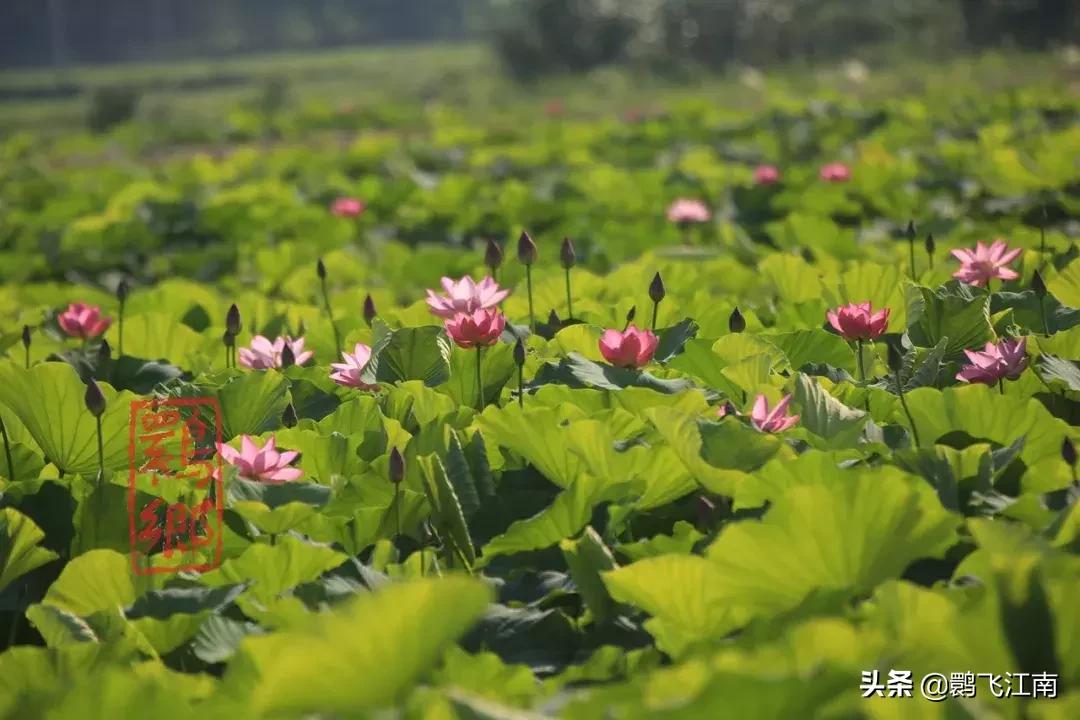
(479,380)
(862,372)
(1042,313)
(655,310)
(528,283)
(1042,238)
(7,451)
(330,314)
(521,388)
(397,508)
(911,254)
(569,298)
(1001,386)
(907,411)
(120,348)
(100,450)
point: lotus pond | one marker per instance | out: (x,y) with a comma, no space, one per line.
(683,411)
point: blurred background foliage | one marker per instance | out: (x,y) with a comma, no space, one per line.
(531,36)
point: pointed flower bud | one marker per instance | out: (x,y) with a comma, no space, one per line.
(631,315)
(526,249)
(26,336)
(369,309)
(94,399)
(288,417)
(519,353)
(1038,285)
(288,357)
(910,231)
(122,291)
(493,255)
(553,319)
(397,466)
(232,320)
(1068,452)
(657,292)
(895,358)
(320,269)
(736,322)
(567,256)
(228,338)
(930,245)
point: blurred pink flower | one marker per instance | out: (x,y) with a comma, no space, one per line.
(684,211)
(631,348)
(858,321)
(775,420)
(727,409)
(835,172)
(348,372)
(465,296)
(348,207)
(263,464)
(1003,360)
(766,175)
(479,328)
(263,354)
(83,321)
(983,264)
(554,108)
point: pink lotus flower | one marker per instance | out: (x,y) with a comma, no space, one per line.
(479,328)
(775,420)
(348,207)
(857,321)
(631,348)
(727,409)
(685,211)
(766,175)
(465,296)
(983,264)
(264,464)
(83,321)
(835,172)
(1003,360)
(348,372)
(263,354)
(554,108)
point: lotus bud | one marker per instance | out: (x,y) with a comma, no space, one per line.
(736,322)
(369,310)
(526,249)
(929,244)
(94,399)
(229,339)
(493,256)
(657,292)
(320,269)
(288,417)
(26,336)
(567,256)
(519,353)
(232,320)
(397,466)
(1038,285)
(631,315)
(910,231)
(895,358)
(122,291)
(1068,452)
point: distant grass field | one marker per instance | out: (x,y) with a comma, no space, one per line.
(198,95)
